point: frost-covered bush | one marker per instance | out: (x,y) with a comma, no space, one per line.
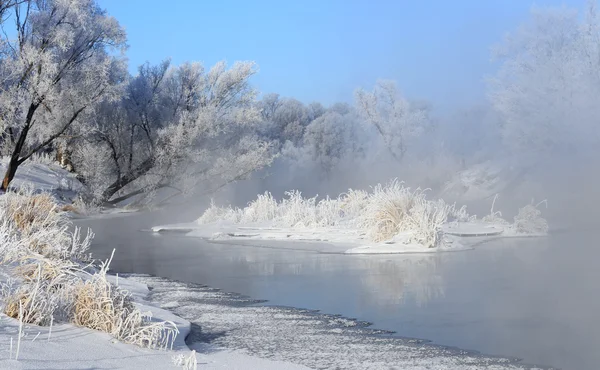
(42,292)
(530,221)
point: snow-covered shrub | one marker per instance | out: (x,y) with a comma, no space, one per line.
(82,206)
(43,158)
(389,210)
(297,211)
(328,212)
(31,212)
(530,221)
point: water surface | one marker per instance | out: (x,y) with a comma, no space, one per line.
(536,299)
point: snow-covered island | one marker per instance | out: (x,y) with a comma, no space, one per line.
(392,218)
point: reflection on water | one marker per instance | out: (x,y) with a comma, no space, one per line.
(401,281)
(536,299)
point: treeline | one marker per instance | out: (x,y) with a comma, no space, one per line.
(65,89)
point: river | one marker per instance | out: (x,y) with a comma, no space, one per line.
(535,299)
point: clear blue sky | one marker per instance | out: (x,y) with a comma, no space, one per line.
(321,50)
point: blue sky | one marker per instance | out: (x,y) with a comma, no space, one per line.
(322,50)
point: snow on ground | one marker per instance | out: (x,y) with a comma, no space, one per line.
(457,237)
(306,337)
(44,175)
(66,346)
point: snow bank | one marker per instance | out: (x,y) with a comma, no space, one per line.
(43,175)
(390,219)
(66,346)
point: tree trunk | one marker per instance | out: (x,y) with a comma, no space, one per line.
(129,177)
(11,170)
(15,162)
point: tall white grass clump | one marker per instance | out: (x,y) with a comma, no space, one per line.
(100,305)
(42,295)
(461,214)
(424,220)
(495,217)
(393,209)
(353,203)
(214,213)
(389,210)
(36,224)
(186,362)
(264,208)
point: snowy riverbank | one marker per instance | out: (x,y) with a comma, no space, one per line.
(67,346)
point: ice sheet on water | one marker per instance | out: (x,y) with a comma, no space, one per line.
(306,337)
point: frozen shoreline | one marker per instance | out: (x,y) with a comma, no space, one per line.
(67,346)
(457,236)
(309,337)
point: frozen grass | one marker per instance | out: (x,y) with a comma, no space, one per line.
(101,305)
(390,213)
(186,363)
(495,217)
(385,212)
(53,281)
(36,224)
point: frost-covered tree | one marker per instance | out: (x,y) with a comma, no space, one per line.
(177,127)
(285,119)
(471,134)
(268,105)
(395,118)
(53,72)
(331,138)
(548,84)
(315,110)
(6,5)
